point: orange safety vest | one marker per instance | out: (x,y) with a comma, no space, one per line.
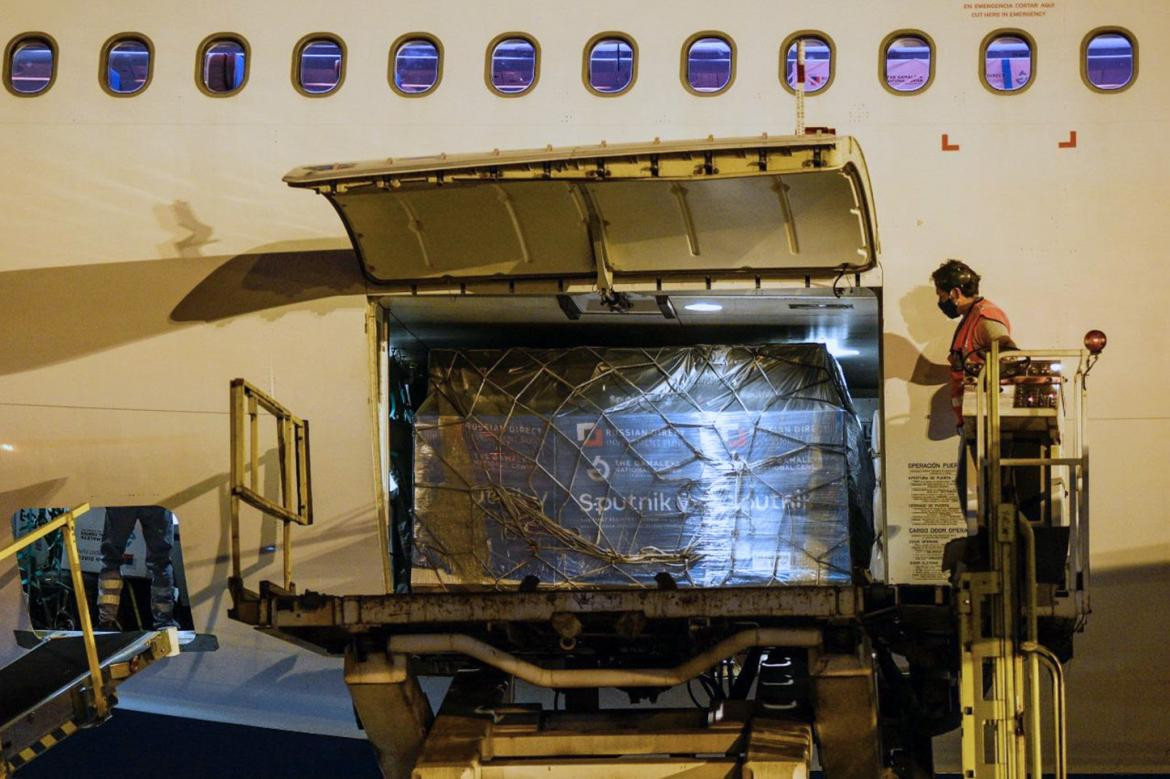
(964,351)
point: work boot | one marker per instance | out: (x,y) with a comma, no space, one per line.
(162,607)
(109,599)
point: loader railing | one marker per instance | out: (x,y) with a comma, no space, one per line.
(1001,653)
(295,503)
(101,704)
(1067,458)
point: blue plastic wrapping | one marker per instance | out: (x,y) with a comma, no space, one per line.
(721,466)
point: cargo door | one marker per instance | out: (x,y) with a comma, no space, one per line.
(764,207)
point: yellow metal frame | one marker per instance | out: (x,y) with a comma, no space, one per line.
(68,521)
(292,434)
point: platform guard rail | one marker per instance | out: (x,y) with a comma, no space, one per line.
(1000,684)
(295,505)
(94,695)
(97,693)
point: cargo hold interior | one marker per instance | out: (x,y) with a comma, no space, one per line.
(846,320)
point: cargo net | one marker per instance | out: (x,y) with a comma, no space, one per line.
(590,466)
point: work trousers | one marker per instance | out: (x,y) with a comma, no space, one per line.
(159,534)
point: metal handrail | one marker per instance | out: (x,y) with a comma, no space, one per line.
(1072,456)
(1036,650)
(1036,756)
(292,433)
(1076,465)
(68,522)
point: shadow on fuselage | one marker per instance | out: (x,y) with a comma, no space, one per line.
(1121,667)
(52,315)
(262,281)
(906,358)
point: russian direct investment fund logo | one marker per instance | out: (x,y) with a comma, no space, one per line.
(592,436)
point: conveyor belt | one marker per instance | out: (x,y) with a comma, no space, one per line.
(55,666)
(39,704)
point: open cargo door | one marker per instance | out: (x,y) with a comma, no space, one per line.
(741,207)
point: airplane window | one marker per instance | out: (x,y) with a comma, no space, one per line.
(610,65)
(709,63)
(30,65)
(1110,60)
(320,65)
(223,66)
(417,66)
(1008,62)
(818,63)
(127,65)
(513,66)
(907,63)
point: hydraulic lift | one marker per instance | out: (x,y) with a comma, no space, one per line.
(870,672)
(820,660)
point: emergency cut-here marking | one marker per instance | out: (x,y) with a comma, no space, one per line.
(947,145)
(1071,143)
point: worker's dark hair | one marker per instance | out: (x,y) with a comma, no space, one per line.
(954,273)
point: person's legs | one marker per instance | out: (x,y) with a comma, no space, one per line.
(159,534)
(115,533)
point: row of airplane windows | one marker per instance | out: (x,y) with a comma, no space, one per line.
(610,63)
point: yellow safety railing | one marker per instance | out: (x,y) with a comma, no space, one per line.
(1001,653)
(292,439)
(68,521)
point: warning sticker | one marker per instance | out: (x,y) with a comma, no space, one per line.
(934,517)
(1023,9)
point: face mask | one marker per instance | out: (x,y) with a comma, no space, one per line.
(949,307)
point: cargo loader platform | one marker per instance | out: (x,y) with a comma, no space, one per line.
(328,623)
(816,641)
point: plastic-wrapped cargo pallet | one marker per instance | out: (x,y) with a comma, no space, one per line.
(720,465)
